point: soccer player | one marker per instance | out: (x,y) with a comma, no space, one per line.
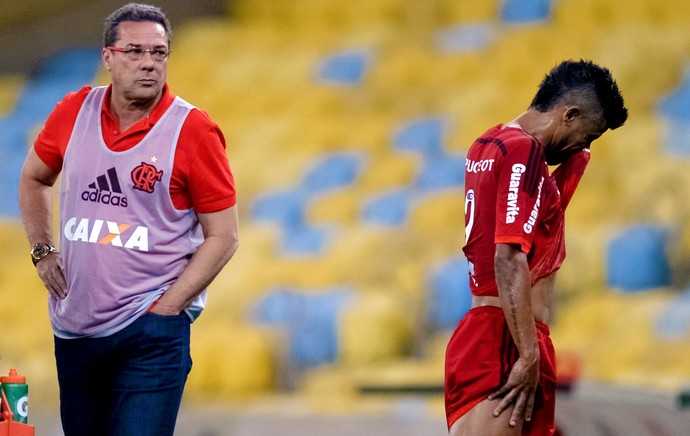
(147,219)
(500,362)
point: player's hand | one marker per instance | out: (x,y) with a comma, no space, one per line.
(51,271)
(163,309)
(518,391)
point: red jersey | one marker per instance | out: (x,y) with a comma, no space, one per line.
(510,198)
(201,175)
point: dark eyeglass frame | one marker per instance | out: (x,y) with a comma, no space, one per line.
(158,54)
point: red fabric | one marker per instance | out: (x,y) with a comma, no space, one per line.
(201,177)
(494,196)
(549,251)
(479,358)
(504,173)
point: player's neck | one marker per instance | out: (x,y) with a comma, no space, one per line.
(537,124)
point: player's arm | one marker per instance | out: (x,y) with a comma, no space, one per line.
(519,175)
(36,207)
(210,185)
(514,290)
(220,243)
(568,175)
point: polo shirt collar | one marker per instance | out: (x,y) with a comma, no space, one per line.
(155,115)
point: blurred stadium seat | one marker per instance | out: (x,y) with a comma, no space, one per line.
(424,136)
(674,322)
(345,68)
(525,11)
(465,38)
(311,318)
(388,209)
(638,260)
(56,76)
(449,296)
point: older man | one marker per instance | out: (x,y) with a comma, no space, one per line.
(147,219)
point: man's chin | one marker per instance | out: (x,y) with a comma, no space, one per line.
(146,93)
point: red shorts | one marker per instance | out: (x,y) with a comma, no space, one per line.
(479,358)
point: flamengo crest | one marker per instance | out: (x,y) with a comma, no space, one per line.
(145,177)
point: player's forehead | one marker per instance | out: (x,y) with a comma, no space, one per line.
(142,33)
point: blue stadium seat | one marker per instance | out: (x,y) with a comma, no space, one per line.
(287,207)
(675,109)
(304,240)
(311,319)
(673,323)
(56,75)
(77,65)
(525,11)
(467,38)
(346,68)
(389,209)
(423,135)
(441,172)
(315,333)
(449,293)
(332,171)
(676,105)
(277,307)
(13,148)
(676,138)
(637,259)
(283,207)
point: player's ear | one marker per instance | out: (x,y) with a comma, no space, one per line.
(570,114)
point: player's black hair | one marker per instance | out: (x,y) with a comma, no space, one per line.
(133,12)
(579,81)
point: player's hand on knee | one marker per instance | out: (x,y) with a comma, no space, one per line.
(518,391)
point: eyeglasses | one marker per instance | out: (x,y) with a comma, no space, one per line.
(159,54)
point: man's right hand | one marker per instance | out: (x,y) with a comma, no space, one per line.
(519,390)
(51,271)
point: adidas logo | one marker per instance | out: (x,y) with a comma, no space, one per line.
(105,190)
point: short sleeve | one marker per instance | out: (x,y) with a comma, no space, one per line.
(52,140)
(520,174)
(209,182)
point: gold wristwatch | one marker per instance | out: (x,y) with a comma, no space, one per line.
(40,250)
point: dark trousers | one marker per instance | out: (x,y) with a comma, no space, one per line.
(129,383)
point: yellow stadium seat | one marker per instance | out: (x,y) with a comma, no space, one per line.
(466,11)
(439,214)
(388,171)
(340,207)
(231,360)
(10,87)
(376,327)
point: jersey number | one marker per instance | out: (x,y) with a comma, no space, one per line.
(469,216)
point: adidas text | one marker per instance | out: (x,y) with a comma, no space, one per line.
(104,197)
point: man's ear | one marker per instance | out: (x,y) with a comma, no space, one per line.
(570,114)
(105,58)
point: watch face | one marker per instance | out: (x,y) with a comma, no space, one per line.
(39,251)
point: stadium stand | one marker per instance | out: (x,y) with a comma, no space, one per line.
(347,124)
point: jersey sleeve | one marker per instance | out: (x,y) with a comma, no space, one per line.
(568,175)
(518,185)
(52,140)
(210,182)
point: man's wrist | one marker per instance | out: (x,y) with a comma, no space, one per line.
(40,251)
